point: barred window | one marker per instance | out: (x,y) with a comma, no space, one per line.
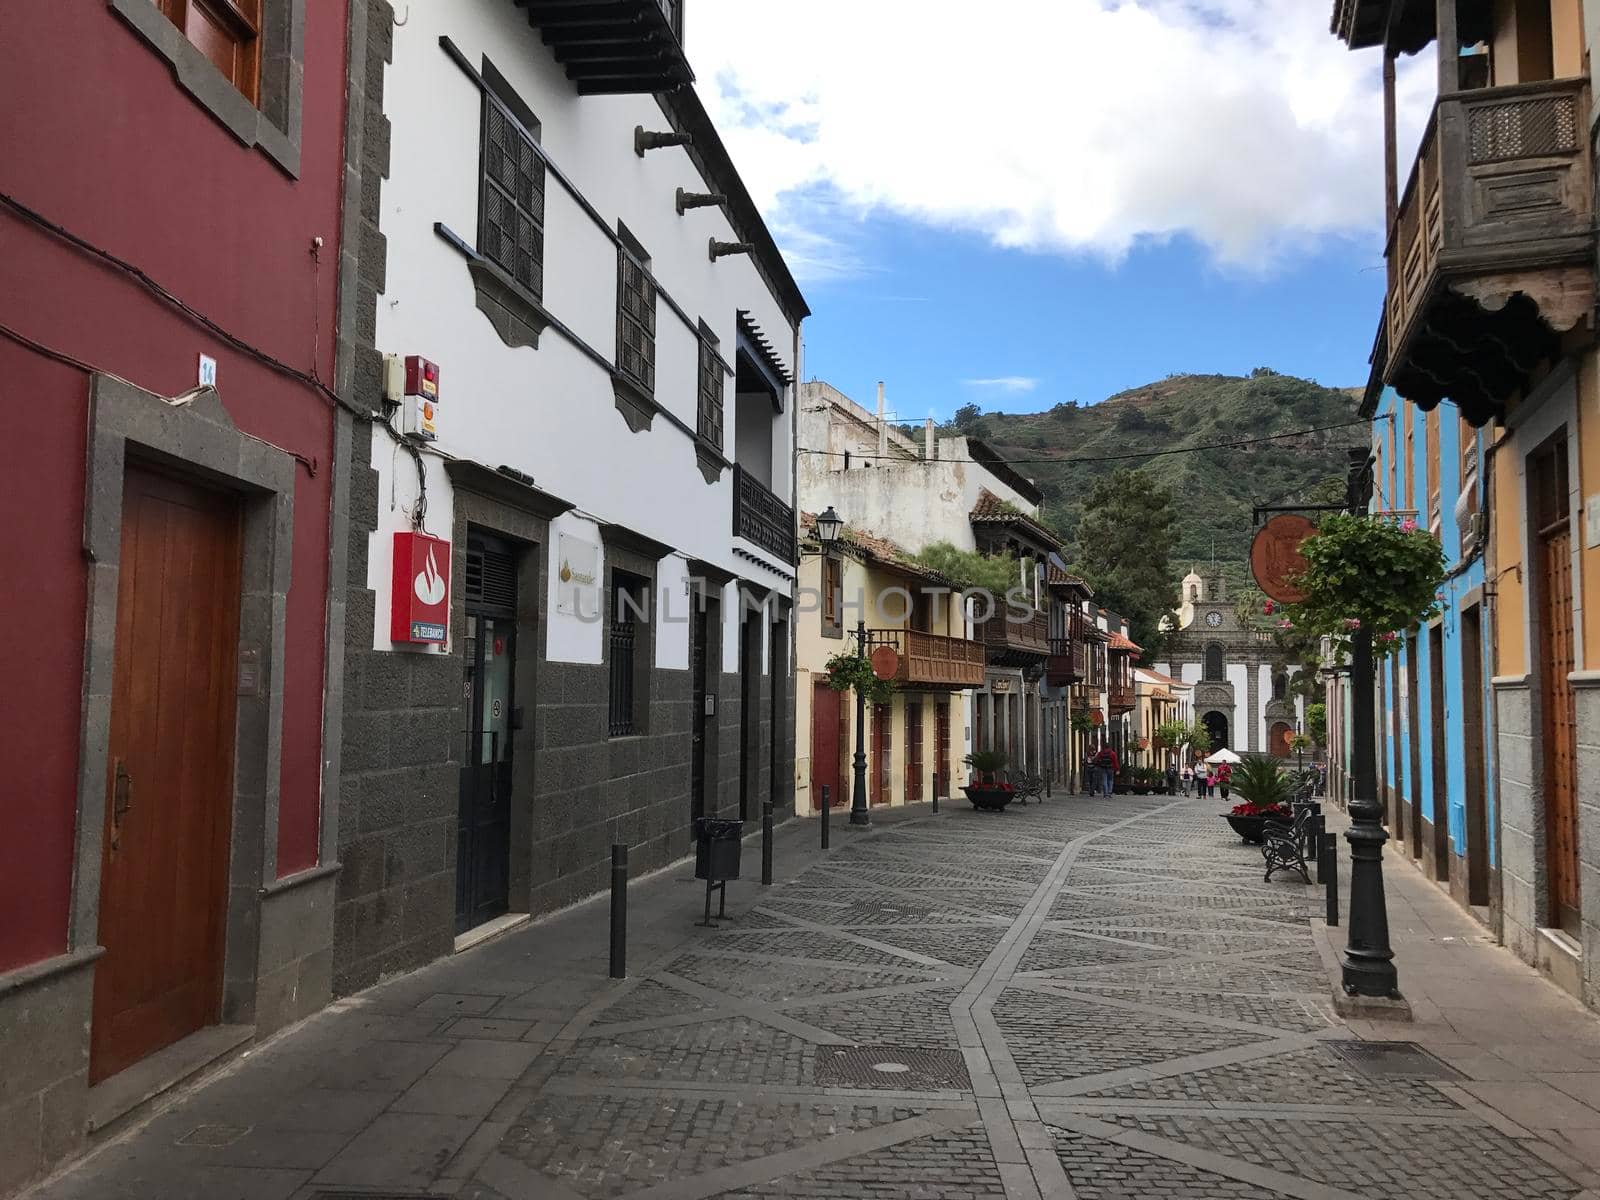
(511,198)
(713,385)
(636,314)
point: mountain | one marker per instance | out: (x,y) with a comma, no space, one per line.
(1069,446)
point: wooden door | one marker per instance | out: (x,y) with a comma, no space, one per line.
(1559,714)
(702,691)
(169,771)
(1414,744)
(825,715)
(1441,792)
(1278,742)
(1477,847)
(914,766)
(941,741)
(750,626)
(1397,803)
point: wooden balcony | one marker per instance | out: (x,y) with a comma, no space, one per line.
(614,46)
(932,661)
(1068,663)
(1012,640)
(1120,696)
(760,517)
(1491,256)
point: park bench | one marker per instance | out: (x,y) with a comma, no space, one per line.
(1029,787)
(1284,846)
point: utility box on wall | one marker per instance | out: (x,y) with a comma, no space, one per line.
(420,596)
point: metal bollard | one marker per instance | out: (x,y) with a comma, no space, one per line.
(1329,871)
(619,910)
(824,816)
(766,843)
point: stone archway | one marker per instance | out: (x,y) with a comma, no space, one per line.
(1217,726)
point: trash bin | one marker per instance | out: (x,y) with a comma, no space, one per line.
(716,851)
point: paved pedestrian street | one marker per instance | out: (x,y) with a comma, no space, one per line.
(1083,998)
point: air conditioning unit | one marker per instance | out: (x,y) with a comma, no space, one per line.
(1472,531)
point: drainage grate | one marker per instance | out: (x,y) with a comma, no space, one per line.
(902,1068)
(214,1135)
(1393,1060)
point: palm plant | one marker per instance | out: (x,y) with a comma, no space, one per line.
(1262,782)
(986,762)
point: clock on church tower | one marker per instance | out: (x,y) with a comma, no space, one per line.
(1214,619)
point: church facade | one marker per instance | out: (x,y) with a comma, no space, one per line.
(1240,677)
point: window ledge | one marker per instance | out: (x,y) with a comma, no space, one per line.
(515,315)
(637,406)
(213,91)
(709,459)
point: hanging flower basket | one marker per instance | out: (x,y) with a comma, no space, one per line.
(1367,572)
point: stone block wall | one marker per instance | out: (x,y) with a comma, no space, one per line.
(1521,830)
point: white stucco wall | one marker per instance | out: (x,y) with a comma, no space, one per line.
(1240,729)
(550,412)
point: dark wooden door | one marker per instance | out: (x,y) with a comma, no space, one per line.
(914,766)
(941,743)
(778,668)
(700,694)
(825,711)
(1279,738)
(1414,742)
(749,709)
(169,771)
(1397,774)
(1559,713)
(483,827)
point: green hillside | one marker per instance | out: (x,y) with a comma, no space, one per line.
(1215,488)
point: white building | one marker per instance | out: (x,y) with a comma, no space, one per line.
(904,494)
(616,337)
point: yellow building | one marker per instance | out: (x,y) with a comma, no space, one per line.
(916,742)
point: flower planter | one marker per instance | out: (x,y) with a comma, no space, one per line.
(1252,828)
(990,797)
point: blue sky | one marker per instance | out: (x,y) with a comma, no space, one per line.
(930,311)
(1086,195)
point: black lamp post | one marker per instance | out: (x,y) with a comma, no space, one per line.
(828,525)
(1368,959)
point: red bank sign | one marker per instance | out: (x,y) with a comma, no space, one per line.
(421,597)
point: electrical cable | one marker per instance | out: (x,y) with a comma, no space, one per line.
(177,302)
(1103,458)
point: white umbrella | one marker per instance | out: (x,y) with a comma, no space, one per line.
(1224,756)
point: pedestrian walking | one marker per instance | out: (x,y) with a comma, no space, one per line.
(1188,778)
(1203,778)
(1224,774)
(1091,777)
(1106,767)
(1172,779)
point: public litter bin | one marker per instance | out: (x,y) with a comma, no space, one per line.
(716,850)
(716,859)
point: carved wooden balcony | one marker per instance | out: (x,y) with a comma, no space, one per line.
(614,46)
(1068,662)
(932,661)
(762,518)
(1012,639)
(1491,257)
(1120,695)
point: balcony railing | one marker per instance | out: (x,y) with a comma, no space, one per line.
(1010,637)
(932,660)
(1492,249)
(1120,695)
(760,517)
(1068,663)
(615,46)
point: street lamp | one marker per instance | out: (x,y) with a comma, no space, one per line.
(828,525)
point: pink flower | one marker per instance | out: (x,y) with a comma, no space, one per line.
(1409,525)
(1267,608)
(1286,624)
(1439,596)
(1352,622)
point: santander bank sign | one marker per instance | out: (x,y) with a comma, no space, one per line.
(420,589)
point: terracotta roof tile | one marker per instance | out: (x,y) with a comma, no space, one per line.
(1121,642)
(990,509)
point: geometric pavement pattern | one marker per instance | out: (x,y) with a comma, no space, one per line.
(1089,997)
(1140,1017)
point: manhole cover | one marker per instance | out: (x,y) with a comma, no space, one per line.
(213,1135)
(905,1068)
(1393,1060)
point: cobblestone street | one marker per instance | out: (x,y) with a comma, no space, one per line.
(1089,998)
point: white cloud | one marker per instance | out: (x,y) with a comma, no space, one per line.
(1004,383)
(1078,126)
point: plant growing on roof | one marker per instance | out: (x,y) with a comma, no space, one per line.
(1368,572)
(968,569)
(849,671)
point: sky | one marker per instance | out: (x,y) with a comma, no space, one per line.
(1026,202)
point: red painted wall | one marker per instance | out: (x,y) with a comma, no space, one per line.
(100,139)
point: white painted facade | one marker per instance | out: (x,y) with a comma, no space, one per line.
(549,412)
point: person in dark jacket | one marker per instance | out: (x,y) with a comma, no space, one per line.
(1106,767)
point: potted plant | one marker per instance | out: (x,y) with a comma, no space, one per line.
(984,790)
(1264,794)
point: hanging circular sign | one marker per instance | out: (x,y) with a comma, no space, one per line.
(1096,717)
(885,662)
(1275,558)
